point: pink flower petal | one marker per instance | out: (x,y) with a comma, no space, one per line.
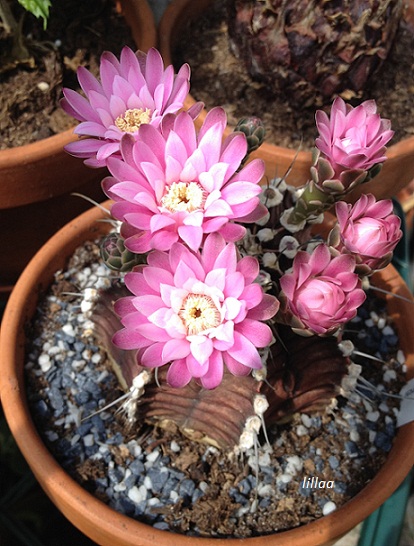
(245,352)
(214,375)
(178,375)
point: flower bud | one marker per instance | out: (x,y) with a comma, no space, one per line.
(321,293)
(116,256)
(254,130)
(369,231)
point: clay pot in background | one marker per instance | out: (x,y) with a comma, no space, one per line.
(36,180)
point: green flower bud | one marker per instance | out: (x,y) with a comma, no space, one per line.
(116,256)
(254,130)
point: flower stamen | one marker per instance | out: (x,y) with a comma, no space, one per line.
(199,313)
(184,196)
(132,120)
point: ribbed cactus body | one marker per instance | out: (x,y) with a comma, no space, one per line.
(313,50)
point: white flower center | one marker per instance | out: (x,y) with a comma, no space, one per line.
(132,120)
(184,196)
(199,313)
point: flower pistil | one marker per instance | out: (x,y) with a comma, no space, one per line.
(199,313)
(132,120)
(183,196)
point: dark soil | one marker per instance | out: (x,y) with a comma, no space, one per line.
(218,78)
(77,33)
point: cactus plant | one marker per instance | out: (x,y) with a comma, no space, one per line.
(313,50)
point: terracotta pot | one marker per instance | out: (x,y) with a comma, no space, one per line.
(91,516)
(397,172)
(37,179)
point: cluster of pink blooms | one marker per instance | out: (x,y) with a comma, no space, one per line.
(182,194)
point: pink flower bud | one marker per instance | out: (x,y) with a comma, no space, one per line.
(322,292)
(352,138)
(369,231)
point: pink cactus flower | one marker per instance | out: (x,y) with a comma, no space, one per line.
(133,91)
(352,138)
(321,292)
(197,312)
(369,231)
(173,184)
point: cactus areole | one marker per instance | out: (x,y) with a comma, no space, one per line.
(313,50)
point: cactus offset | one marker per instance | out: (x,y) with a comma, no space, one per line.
(313,50)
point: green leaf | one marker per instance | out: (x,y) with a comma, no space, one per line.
(39,8)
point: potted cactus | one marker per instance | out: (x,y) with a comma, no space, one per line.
(269,34)
(221,312)
(38,177)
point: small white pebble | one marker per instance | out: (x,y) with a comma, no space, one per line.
(52,436)
(75,440)
(88,440)
(400,357)
(135,495)
(147,483)
(96,358)
(174,496)
(383,407)
(367,405)
(301,430)
(306,420)
(174,447)
(44,362)
(265,490)
(68,330)
(354,435)
(388,331)
(372,435)
(374,316)
(389,375)
(43,86)
(373,416)
(203,486)
(264,459)
(285,478)
(381,323)
(328,507)
(78,364)
(143,490)
(294,465)
(153,456)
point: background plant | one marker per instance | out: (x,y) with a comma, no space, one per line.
(18,52)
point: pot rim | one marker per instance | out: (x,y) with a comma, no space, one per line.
(98,520)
